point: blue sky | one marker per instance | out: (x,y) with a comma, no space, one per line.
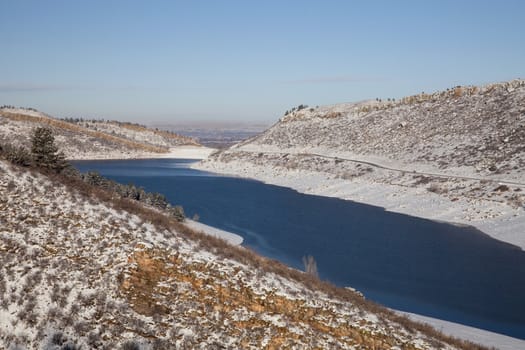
(246,60)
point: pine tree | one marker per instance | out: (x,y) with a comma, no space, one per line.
(44,151)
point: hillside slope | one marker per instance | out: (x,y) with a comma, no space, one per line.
(81,139)
(82,269)
(456,155)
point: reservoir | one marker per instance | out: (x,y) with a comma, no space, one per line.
(406,263)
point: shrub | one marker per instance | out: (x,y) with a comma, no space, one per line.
(177,212)
(458,91)
(58,338)
(435,188)
(130,345)
(70,346)
(501,188)
(58,341)
(132,192)
(17,155)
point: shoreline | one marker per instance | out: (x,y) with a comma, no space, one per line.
(477,335)
(180,152)
(506,223)
(231,238)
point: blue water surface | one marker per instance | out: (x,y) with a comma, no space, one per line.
(407,263)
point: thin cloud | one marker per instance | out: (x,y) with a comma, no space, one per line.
(23,87)
(30,87)
(332,79)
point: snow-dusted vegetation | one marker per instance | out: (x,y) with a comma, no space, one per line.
(80,268)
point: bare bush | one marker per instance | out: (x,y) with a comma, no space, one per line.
(310,266)
(438,189)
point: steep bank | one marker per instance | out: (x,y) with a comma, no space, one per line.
(456,155)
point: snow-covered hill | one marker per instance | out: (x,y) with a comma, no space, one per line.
(82,269)
(80,139)
(456,155)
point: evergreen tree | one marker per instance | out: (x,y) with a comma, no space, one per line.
(44,151)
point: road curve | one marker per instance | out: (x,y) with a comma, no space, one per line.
(404,171)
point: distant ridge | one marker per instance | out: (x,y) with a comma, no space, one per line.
(85,139)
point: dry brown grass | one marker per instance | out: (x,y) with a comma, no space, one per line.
(332,115)
(151,267)
(458,92)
